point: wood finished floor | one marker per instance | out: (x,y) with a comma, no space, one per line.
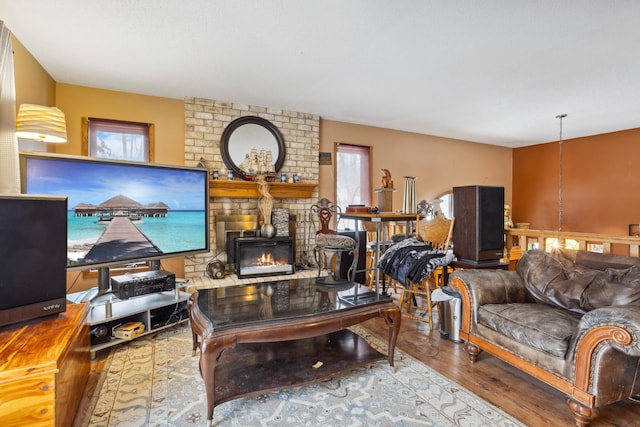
(523,397)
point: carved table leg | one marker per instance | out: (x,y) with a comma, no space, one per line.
(392,318)
(194,339)
(210,352)
(583,415)
(473,352)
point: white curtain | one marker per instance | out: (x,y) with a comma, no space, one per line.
(353,181)
(9,164)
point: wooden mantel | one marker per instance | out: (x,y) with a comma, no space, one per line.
(249,189)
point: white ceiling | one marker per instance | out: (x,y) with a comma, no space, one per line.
(491,71)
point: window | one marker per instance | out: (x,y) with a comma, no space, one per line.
(119,140)
(353,182)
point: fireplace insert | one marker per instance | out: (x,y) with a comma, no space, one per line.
(259,256)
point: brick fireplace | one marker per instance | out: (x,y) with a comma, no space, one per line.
(205,119)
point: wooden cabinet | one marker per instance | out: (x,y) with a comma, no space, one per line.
(44,367)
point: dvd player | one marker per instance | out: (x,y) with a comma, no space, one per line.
(136,284)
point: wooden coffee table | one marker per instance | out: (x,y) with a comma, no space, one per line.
(270,336)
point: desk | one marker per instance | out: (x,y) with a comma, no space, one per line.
(378,219)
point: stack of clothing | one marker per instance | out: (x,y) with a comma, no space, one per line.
(412,260)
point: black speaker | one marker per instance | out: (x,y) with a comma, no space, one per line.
(33,279)
(478,233)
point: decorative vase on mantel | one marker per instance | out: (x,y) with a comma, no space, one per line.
(265,205)
(267,230)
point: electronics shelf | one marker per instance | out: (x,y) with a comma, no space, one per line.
(156,311)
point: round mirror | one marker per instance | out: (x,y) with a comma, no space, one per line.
(252,145)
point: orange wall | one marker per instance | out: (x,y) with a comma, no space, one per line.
(599,183)
(33,84)
(439,164)
(535,186)
(165,113)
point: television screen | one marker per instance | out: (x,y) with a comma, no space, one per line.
(123,212)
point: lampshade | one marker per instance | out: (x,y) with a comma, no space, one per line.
(41,123)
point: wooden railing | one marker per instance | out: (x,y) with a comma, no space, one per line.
(521,239)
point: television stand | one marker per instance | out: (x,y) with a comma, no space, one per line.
(156,311)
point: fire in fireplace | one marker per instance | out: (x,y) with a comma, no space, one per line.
(258,256)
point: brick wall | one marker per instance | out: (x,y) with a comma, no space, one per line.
(205,119)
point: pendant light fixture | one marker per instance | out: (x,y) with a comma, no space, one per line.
(560,117)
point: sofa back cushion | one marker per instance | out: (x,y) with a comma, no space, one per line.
(561,281)
(598,261)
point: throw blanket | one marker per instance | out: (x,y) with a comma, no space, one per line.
(412,260)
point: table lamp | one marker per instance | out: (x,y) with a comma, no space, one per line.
(37,122)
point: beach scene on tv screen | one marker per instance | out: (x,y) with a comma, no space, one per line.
(124,211)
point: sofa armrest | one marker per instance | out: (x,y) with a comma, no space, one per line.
(605,348)
(618,325)
(486,286)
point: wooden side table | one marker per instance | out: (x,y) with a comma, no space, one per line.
(44,368)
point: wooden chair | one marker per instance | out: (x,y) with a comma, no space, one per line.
(437,233)
(370,229)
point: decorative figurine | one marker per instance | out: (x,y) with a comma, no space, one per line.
(246,164)
(386,179)
(508,223)
(270,166)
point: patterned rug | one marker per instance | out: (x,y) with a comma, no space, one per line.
(154,381)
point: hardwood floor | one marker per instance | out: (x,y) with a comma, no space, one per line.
(83,416)
(525,398)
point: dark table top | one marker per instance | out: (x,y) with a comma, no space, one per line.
(237,305)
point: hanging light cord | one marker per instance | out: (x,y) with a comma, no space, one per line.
(560,116)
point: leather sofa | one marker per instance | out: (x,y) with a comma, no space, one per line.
(570,319)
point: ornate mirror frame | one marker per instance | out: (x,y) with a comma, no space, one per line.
(235,144)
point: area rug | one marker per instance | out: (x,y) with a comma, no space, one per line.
(155,381)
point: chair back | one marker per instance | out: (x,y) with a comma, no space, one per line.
(325,210)
(370,228)
(437,232)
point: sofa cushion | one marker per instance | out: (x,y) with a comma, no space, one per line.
(613,287)
(556,280)
(541,326)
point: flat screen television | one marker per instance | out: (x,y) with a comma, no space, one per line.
(122,212)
